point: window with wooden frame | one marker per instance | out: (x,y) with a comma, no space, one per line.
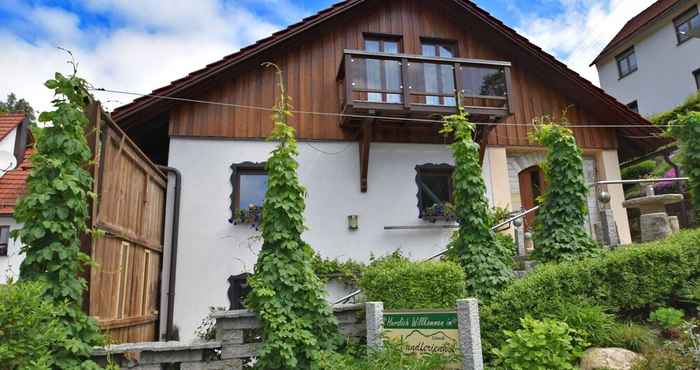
(249,183)
(633,106)
(626,62)
(686,24)
(697,78)
(434,183)
(383,77)
(439,78)
(4,240)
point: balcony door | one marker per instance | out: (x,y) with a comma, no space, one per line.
(383,76)
(438,78)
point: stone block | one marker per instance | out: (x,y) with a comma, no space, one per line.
(654,226)
(374,317)
(231,364)
(674,223)
(233,351)
(168,357)
(232,336)
(470,334)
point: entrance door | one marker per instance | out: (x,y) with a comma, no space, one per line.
(532,186)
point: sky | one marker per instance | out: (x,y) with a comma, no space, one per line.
(140,45)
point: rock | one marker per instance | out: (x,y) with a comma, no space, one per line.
(608,358)
(655,226)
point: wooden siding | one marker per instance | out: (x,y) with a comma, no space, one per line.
(311,67)
(124,286)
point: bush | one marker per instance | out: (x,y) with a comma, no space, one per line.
(30,327)
(403,284)
(691,292)
(590,321)
(391,357)
(664,358)
(634,337)
(639,170)
(667,318)
(547,344)
(627,280)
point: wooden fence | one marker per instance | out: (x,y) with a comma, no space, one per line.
(124,286)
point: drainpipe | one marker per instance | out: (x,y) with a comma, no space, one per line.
(169,329)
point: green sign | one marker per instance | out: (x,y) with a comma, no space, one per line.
(423,332)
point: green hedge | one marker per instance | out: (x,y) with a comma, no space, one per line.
(403,284)
(626,280)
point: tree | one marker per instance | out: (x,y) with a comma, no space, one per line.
(474,246)
(298,323)
(12,105)
(686,129)
(54,213)
(559,232)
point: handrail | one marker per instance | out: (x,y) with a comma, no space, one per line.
(523,214)
(380,55)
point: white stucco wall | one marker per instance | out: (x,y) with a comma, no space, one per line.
(211,249)
(9,265)
(664,77)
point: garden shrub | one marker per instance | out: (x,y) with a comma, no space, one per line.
(686,129)
(634,337)
(348,272)
(474,245)
(30,327)
(390,357)
(665,358)
(590,321)
(628,280)
(404,284)
(691,292)
(669,320)
(639,170)
(288,297)
(559,232)
(546,344)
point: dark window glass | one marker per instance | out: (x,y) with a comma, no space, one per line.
(686,24)
(4,239)
(697,78)
(626,62)
(383,75)
(438,78)
(249,185)
(633,106)
(434,186)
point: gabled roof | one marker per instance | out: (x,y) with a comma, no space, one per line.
(13,184)
(647,16)
(137,109)
(8,122)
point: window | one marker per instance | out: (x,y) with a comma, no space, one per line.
(249,181)
(383,75)
(686,24)
(439,78)
(4,239)
(434,189)
(697,78)
(633,106)
(626,62)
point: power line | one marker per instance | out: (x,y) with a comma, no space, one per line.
(362,116)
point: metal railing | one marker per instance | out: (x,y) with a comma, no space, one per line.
(511,219)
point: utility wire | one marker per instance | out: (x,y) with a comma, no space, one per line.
(386,118)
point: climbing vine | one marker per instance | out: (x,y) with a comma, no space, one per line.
(474,246)
(54,213)
(686,129)
(298,323)
(559,232)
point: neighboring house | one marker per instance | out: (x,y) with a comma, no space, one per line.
(14,140)
(372,62)
(653,63)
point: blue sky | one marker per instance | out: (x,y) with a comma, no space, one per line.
(139,45)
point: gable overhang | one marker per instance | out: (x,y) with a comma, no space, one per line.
(645,135)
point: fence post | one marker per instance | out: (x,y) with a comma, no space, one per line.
(374,318)
(470,333)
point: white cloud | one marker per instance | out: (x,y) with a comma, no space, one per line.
(579,33)
(156,42)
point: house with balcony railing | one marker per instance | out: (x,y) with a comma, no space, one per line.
(370,82)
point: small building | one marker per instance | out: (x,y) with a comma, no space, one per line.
(370,81)
(653,63)
(14,170)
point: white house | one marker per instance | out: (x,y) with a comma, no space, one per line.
(653,63)
(370,80)
(14,169)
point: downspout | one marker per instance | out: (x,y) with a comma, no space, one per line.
(169,329)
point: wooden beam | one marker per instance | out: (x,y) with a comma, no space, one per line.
(364,142)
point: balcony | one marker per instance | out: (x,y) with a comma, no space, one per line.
(412,86)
